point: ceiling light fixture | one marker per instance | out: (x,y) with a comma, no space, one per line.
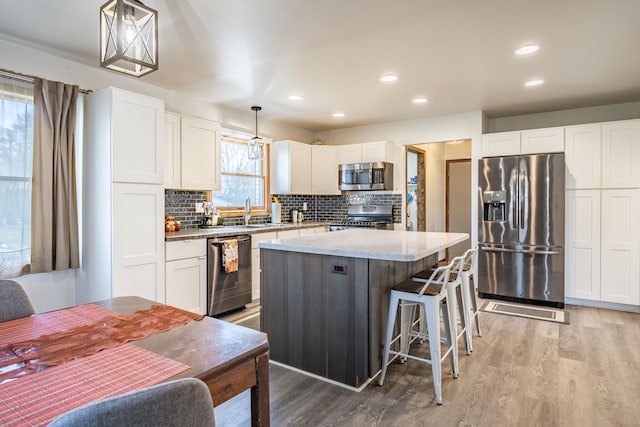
(338,114)
(527,49)
(128,37)
(295,98)
(255,146)
(420,100)
(389,78)
(534,82)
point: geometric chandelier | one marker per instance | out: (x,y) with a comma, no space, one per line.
(128,37)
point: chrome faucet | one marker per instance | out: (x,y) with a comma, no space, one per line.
(247,211)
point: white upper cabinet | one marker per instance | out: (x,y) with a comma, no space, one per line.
(290,168)
(621,154)
(351,153)
(324,169)
(501,144)
(603,155)
(200,154)
(192,153)
(172,150)
(136,126)
(534,141)
(582,156)
(547,140)
(380,151)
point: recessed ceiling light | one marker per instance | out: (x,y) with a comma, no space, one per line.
(390,77)
(295,98)
(338,114)
(527,49)
(420,100)
(534,82)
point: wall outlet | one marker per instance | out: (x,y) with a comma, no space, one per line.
(199,207)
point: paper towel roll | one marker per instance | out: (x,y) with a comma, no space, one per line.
(276,213)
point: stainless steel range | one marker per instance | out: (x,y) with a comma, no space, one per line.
(366,216)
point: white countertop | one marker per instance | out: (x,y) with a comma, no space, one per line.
(368,243)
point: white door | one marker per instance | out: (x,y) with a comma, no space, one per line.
(459,203)
(324,169)
(200,154)
(582,253)
(137,125)
(620,279)
(582,156)
(187,284)
(621,154)
(138,241)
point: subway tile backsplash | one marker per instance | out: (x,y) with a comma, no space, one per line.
(180,205)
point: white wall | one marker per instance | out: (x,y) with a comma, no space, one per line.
(51,291)
(602,113)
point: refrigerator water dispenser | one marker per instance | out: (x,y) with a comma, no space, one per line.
(494,205)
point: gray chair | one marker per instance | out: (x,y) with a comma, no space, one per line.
(14,302)
(184,402)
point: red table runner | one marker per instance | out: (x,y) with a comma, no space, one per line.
(32,355)
(36,399)
(27,328)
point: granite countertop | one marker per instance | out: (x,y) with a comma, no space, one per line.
(372,244)
(233,230)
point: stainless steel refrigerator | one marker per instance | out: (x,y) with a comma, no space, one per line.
(521,229)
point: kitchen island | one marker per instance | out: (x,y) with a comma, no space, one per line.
(325,297)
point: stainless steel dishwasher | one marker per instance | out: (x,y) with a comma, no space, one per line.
(228,291)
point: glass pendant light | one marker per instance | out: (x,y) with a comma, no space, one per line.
(128,37)
(255,145)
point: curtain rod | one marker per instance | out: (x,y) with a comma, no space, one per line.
(28,78)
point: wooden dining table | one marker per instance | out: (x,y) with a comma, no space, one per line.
(228,358)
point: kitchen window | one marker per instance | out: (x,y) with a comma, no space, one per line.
(241,177)
(16,161)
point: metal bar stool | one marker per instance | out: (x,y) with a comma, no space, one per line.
(459,299)
(468,288)
(432,296)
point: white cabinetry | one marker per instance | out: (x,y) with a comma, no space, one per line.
(186,274)
(603,155)
(620,246)
(351,153)
(583,244)
(290,168)
(192,150)
(172,165)
(547,140)
(324,169)
(603,201)
(379,151)
(582,156)
(621,154)
(123,197)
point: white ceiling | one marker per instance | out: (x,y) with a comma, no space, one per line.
(457,53)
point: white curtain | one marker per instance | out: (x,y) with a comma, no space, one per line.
(16,148)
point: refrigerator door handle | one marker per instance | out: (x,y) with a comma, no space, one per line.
(521,251)
(521,196)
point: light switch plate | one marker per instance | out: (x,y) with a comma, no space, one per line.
(199,207)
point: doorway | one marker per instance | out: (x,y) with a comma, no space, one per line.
(415,190)
(458,203)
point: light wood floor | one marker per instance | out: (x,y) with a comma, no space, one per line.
(522,372)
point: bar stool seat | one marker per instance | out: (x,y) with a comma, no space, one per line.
(461,299)
(433,297)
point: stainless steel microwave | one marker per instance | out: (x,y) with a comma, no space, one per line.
(366,176)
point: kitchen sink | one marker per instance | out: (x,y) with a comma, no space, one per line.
(266,225)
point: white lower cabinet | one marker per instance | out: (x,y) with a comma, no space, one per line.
(582,254)
(620,246)
(603,245)
(186,274)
